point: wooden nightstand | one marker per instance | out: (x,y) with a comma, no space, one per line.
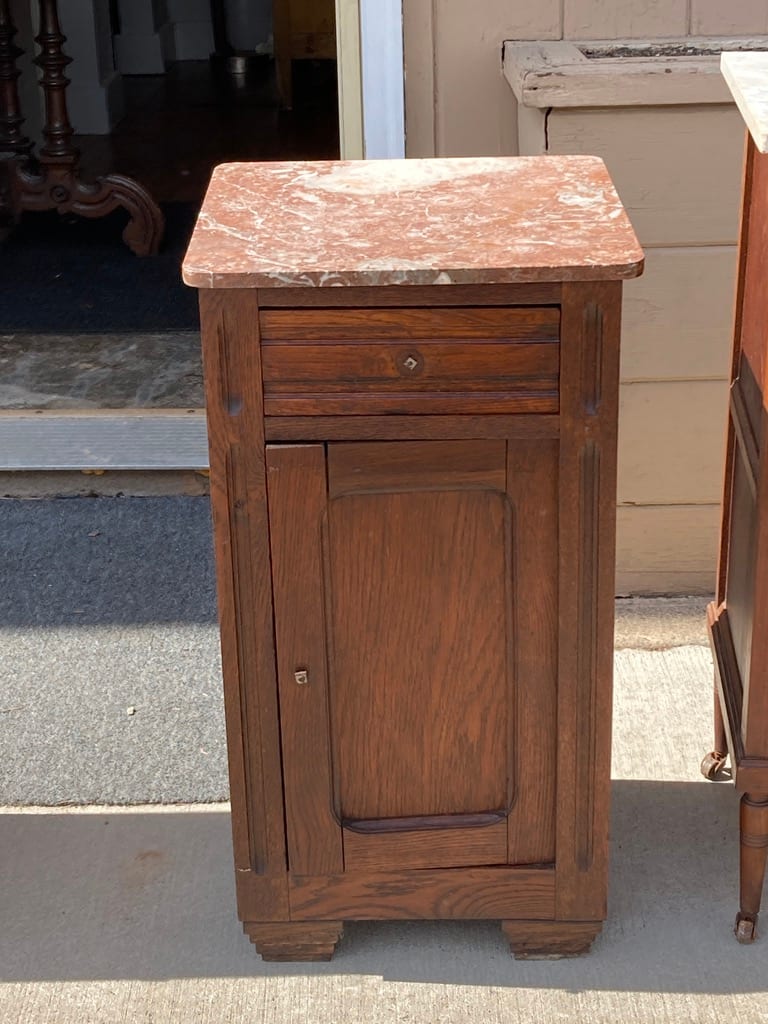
(412,378)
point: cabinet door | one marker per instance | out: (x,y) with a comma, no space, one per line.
(414,587)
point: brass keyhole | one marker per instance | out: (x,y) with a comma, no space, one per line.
(410,363)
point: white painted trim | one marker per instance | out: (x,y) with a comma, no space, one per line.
(558,74)
(350,79)
(381,44)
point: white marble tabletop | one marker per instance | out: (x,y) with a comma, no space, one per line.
(421,222)
(746,73)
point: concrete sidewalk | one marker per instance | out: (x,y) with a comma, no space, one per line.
(127,913)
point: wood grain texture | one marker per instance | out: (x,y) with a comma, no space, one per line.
(480,323)
(410,428)
(261,895)
(419,711)
(285,941)
(753,308)
(742,560)
(297,503)
(730,442)
(728,683)
(364,367)
(586,545)
(533,294)
(550,940)
(532,487)
(746,413)
(751,323)
(470,893)
(238,498)
(413,359)
(416,466)
(449,848)
(417,402)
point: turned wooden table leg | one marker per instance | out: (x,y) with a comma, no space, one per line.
(754,855)
(714,761)
(11,119)
(301,941)
(14,145)
(56,184)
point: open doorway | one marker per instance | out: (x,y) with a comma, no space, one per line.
(84,323)
(241,80)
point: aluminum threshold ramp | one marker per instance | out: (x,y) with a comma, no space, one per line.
(133,439)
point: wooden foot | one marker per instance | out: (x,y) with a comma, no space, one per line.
(754,855)
(305,941)
(550,940)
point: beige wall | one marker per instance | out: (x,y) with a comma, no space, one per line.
(457,101)
(682,194)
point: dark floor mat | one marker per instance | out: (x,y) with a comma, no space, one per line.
(63,274)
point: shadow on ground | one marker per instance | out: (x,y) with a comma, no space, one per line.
(149,895)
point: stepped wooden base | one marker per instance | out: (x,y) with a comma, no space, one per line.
(300,941)
(550,940)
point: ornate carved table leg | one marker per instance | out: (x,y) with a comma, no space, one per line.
(57,185)
(754,855)
(714,762)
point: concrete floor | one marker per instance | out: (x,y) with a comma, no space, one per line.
(127,913)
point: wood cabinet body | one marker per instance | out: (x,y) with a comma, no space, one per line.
(739,615)
(414,500)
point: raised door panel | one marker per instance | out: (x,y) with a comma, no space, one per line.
(428,738)
(418,541)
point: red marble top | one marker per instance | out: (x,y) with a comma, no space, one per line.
(420,222)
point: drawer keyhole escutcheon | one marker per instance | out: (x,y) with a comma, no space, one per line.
(301,676)
(410,363)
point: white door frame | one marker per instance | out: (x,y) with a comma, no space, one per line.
(371,78)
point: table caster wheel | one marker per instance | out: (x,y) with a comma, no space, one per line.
(745,929)
(713,764)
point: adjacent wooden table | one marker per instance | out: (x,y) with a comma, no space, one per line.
(51,180)
(412,377)
(738,619)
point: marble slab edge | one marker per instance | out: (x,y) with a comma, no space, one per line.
(747,76)
(402,279)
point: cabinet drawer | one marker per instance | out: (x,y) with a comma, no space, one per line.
(415,360)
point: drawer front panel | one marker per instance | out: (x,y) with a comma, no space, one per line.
(478,359)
